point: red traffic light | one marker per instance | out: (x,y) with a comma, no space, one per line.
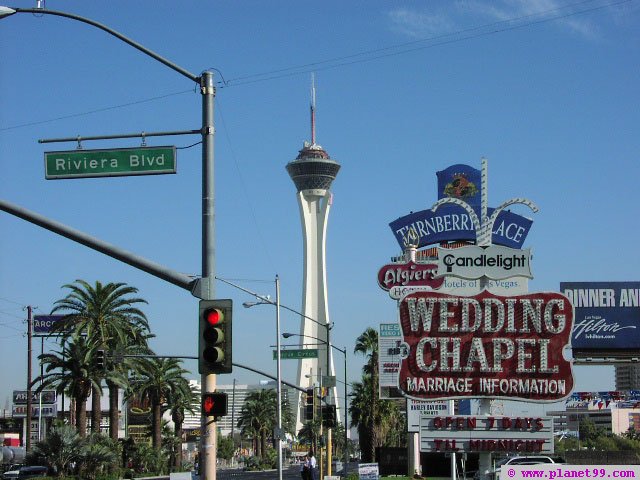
(214,316)
(214,343)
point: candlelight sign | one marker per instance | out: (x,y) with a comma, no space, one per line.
(485,346)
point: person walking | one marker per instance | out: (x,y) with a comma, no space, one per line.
(305,473)
(313,475)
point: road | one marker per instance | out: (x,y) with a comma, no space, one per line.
(291,472)
(288,473)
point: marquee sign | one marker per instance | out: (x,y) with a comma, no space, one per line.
(485,346)
(416,409)
(486,434)
(607,318)
(493,262)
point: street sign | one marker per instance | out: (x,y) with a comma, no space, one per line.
(109,162)
(329,381)
(278,434)
(296,354)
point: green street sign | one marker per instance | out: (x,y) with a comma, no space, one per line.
(296,354)
(109,162)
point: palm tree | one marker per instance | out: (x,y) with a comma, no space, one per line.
(362,415)
(72,370)
(180,400)
(157,379)
(60,448)
(367,344)
(309,433)
(97,455)
(107,315)
(258,417)
(119,365)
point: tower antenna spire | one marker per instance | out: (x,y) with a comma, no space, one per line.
(313,109)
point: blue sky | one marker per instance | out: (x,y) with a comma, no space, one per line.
(546,90)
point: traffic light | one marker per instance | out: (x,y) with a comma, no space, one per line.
(99,358)
(214,347)
(309,406)
(329,416)
(214,404)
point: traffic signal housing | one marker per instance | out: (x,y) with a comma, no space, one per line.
(329,416)
(214,345)
(99,358)
(214,404)
(309,405)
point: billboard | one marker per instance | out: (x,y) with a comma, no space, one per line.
(416,409)
(485,346)
(43,324)
(389,340)
(607,318)
(47,396)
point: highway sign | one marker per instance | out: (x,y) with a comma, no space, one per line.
(296,354)
(109,162)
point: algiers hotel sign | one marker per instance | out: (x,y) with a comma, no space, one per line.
(482,345)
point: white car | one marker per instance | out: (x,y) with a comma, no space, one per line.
(528,460)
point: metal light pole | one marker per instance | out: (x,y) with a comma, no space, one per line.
(279,432)
(344,352)
(205,287)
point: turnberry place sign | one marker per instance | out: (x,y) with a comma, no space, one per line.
(485,346)
(453,223)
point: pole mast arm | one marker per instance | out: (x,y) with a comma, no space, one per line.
(110,31)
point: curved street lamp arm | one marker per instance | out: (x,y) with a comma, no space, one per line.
(266,300)
(110,31)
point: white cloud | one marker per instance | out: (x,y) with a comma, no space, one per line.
(416,24)
(525,11)
(463,14)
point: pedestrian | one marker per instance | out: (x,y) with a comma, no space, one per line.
(304,468)
(312,466)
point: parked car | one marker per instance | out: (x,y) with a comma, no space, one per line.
(26,472)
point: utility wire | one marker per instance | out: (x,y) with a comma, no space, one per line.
(22,305)
(98,110)
(244,186)
(11,315)
(376,54)
(369,55)
(315,65)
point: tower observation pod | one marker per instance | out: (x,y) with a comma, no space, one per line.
(313,172)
